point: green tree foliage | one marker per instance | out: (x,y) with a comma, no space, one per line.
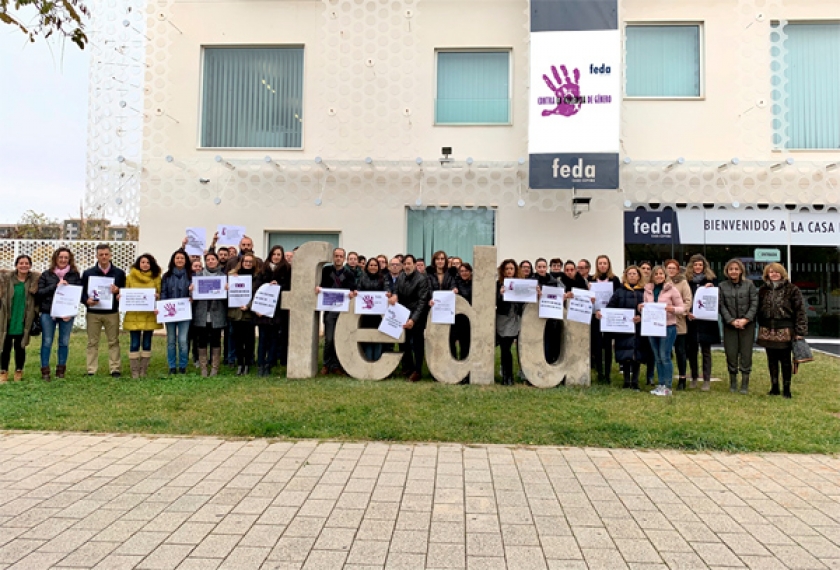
(64,17)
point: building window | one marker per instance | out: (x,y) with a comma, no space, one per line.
(473,88)
(252,98)
(663,61)
(291,240)
(454,231)
(806,86)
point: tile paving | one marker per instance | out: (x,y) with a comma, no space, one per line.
(117,501)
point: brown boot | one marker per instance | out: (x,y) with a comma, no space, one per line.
(216,353)
(45,373)
(145,358)
(202,361)
(60,370)
(18,375)
(4,376)
(134,364)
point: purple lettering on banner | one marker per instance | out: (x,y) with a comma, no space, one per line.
(333,299)
(205,286)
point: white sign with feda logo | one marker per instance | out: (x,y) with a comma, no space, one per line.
(575,92)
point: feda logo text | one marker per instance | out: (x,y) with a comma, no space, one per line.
(579,171)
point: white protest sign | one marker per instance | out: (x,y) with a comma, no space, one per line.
(392,323)
(335,300)
(174,310)
(229,235)
(551,302)
(66,301)
(705,306)
(137,300)
(207,288)
(654,319)
(443,311)
(265,300)
(580,307)
(240,290)
(602,292)
(99,289)
(520,290)
(618,321)
(371,303)
(196,241)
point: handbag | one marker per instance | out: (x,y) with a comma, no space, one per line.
(802,352)
(35,329)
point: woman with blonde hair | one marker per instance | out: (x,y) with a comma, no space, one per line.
(701,335)
(62,271)
(661,290)
(673,269)
(738,306)
(628,346)
(781,320)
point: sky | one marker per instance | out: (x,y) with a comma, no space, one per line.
(43,126)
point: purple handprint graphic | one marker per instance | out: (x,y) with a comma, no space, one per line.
(170,309)
(566,92)
(367,301)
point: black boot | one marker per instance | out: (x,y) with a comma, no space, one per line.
(733,382)
(628,374)
(745,383)
(634,382)
(786,391)
(774,387)
(681,383)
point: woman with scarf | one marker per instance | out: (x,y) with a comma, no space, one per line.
(242,319)
(276,271)
(175,284)
(144,274)
(781,320)
(601,343)
(18,311)
(508,319)
(738,306)
(62,272)
(701,334)
(372,280)
(209,319)
(628,346)
(677,277)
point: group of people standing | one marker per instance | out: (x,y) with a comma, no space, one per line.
(776,308)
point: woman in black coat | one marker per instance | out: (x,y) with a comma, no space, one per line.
(701,334)
(461,329)
(372,280)
(275,271)
(629,350)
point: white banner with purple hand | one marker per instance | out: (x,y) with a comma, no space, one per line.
(174,310)
(371,303)
(335,300)
(705,305)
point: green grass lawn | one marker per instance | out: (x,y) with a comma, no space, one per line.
(395,410)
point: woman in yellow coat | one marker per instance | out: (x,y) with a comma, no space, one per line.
(144,274)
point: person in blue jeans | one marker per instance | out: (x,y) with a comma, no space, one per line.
(62,271)
(660,289)
(175,284)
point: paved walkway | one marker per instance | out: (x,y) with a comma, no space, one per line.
(76,501)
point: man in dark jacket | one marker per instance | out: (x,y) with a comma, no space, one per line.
(335,276)
(107,318)
(412,292)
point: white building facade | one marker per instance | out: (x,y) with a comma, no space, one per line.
(328,119)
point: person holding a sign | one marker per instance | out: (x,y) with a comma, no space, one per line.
(508,319)
(242,320)
(335,276)
(372,280)
(738,308)
(601,343)
(412,292)
(209,318)
(781,320)
(62,272)
(672,267)
(18,310)
(461,328)
(175,284)
(276,271)
(99,318)
(628,347)
(661,290)
(144,274)
(701,334)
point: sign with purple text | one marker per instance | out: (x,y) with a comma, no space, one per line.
(335,300)
(207,288)
(174,310)
(575,98)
